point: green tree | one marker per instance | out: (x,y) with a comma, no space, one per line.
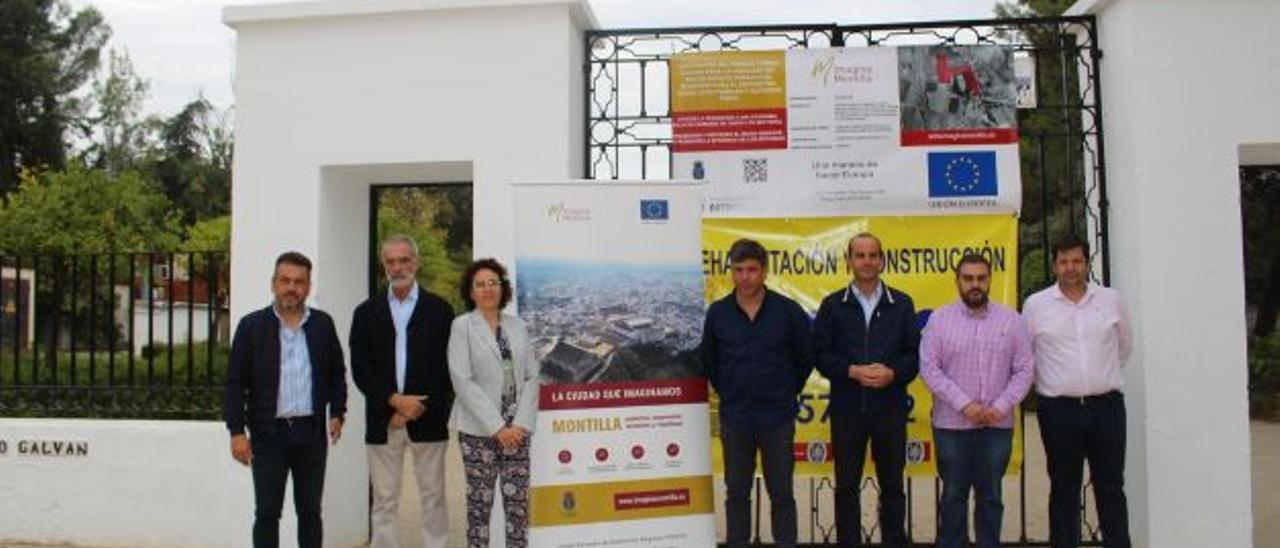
(1260,208)
(48,51)
(66,215)
(438,218)
(191,161)
(209,241)
(208,245)
(209,235)
(119,131)
(81,210)
(1031,8)
(1050,146)
(1260,213)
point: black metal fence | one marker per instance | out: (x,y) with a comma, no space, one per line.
(628,135)
(628,117)
(144,335)
(127,335)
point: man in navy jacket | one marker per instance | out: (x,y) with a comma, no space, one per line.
(286,370)
(758,351)
(867,347)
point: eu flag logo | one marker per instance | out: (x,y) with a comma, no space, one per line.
(654,210)
(961,174)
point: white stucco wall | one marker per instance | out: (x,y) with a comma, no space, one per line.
(414,95)
(1185,83)
(141,483)
(331,97)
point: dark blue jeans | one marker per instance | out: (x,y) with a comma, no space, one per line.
(972,460)
(300,447)
(1075,430)
(775,447)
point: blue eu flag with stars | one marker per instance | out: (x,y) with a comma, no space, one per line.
(654,210)
(962,174)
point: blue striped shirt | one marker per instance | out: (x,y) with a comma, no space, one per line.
(294,397)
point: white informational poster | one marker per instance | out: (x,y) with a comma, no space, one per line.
(916,130)
(609,280)
(802,149)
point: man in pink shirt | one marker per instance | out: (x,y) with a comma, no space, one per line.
(1081,336)
(976,359)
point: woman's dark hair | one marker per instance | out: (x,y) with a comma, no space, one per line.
(469,275)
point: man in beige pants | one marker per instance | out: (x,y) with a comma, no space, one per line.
(399,345)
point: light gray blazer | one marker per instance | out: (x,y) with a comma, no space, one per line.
(475,366)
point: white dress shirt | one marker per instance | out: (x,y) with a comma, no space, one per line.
(401,313)
(1081,346)
(868,302)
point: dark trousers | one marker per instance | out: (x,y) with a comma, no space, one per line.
(1075,430)
(297,446)
(775,447)
(887,432)
(972,460)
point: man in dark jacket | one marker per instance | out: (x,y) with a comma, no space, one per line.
(399,359)
(285,368)
(758,351)
(867,346)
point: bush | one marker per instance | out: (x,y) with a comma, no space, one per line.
(157,385)
(1264,376)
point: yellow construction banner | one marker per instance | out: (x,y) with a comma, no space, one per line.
(806,263)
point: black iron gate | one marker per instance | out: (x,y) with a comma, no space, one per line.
(628,136)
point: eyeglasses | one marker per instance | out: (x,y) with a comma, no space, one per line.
(492,282)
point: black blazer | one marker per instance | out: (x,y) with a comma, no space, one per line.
(253,374)
(373,364)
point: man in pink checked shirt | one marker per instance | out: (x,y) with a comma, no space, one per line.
(976,359)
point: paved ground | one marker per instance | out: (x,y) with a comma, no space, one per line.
(1266,497)
(1265,445)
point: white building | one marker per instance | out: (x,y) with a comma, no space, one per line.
(335,95)
(332,96)
(1188,92)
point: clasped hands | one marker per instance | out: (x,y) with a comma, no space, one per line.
(510,437)
(407,408)
(872,375)
(982,415)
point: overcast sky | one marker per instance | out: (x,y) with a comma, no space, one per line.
(182,48)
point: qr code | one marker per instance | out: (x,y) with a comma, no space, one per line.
(755,170)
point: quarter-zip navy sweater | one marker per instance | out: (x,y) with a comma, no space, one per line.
(844,338)
(757,367)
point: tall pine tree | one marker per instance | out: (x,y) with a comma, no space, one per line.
(48,50)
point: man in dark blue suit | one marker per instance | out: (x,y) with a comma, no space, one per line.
(868,347)
(286,368)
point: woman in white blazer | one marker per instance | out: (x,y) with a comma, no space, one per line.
(495,377)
